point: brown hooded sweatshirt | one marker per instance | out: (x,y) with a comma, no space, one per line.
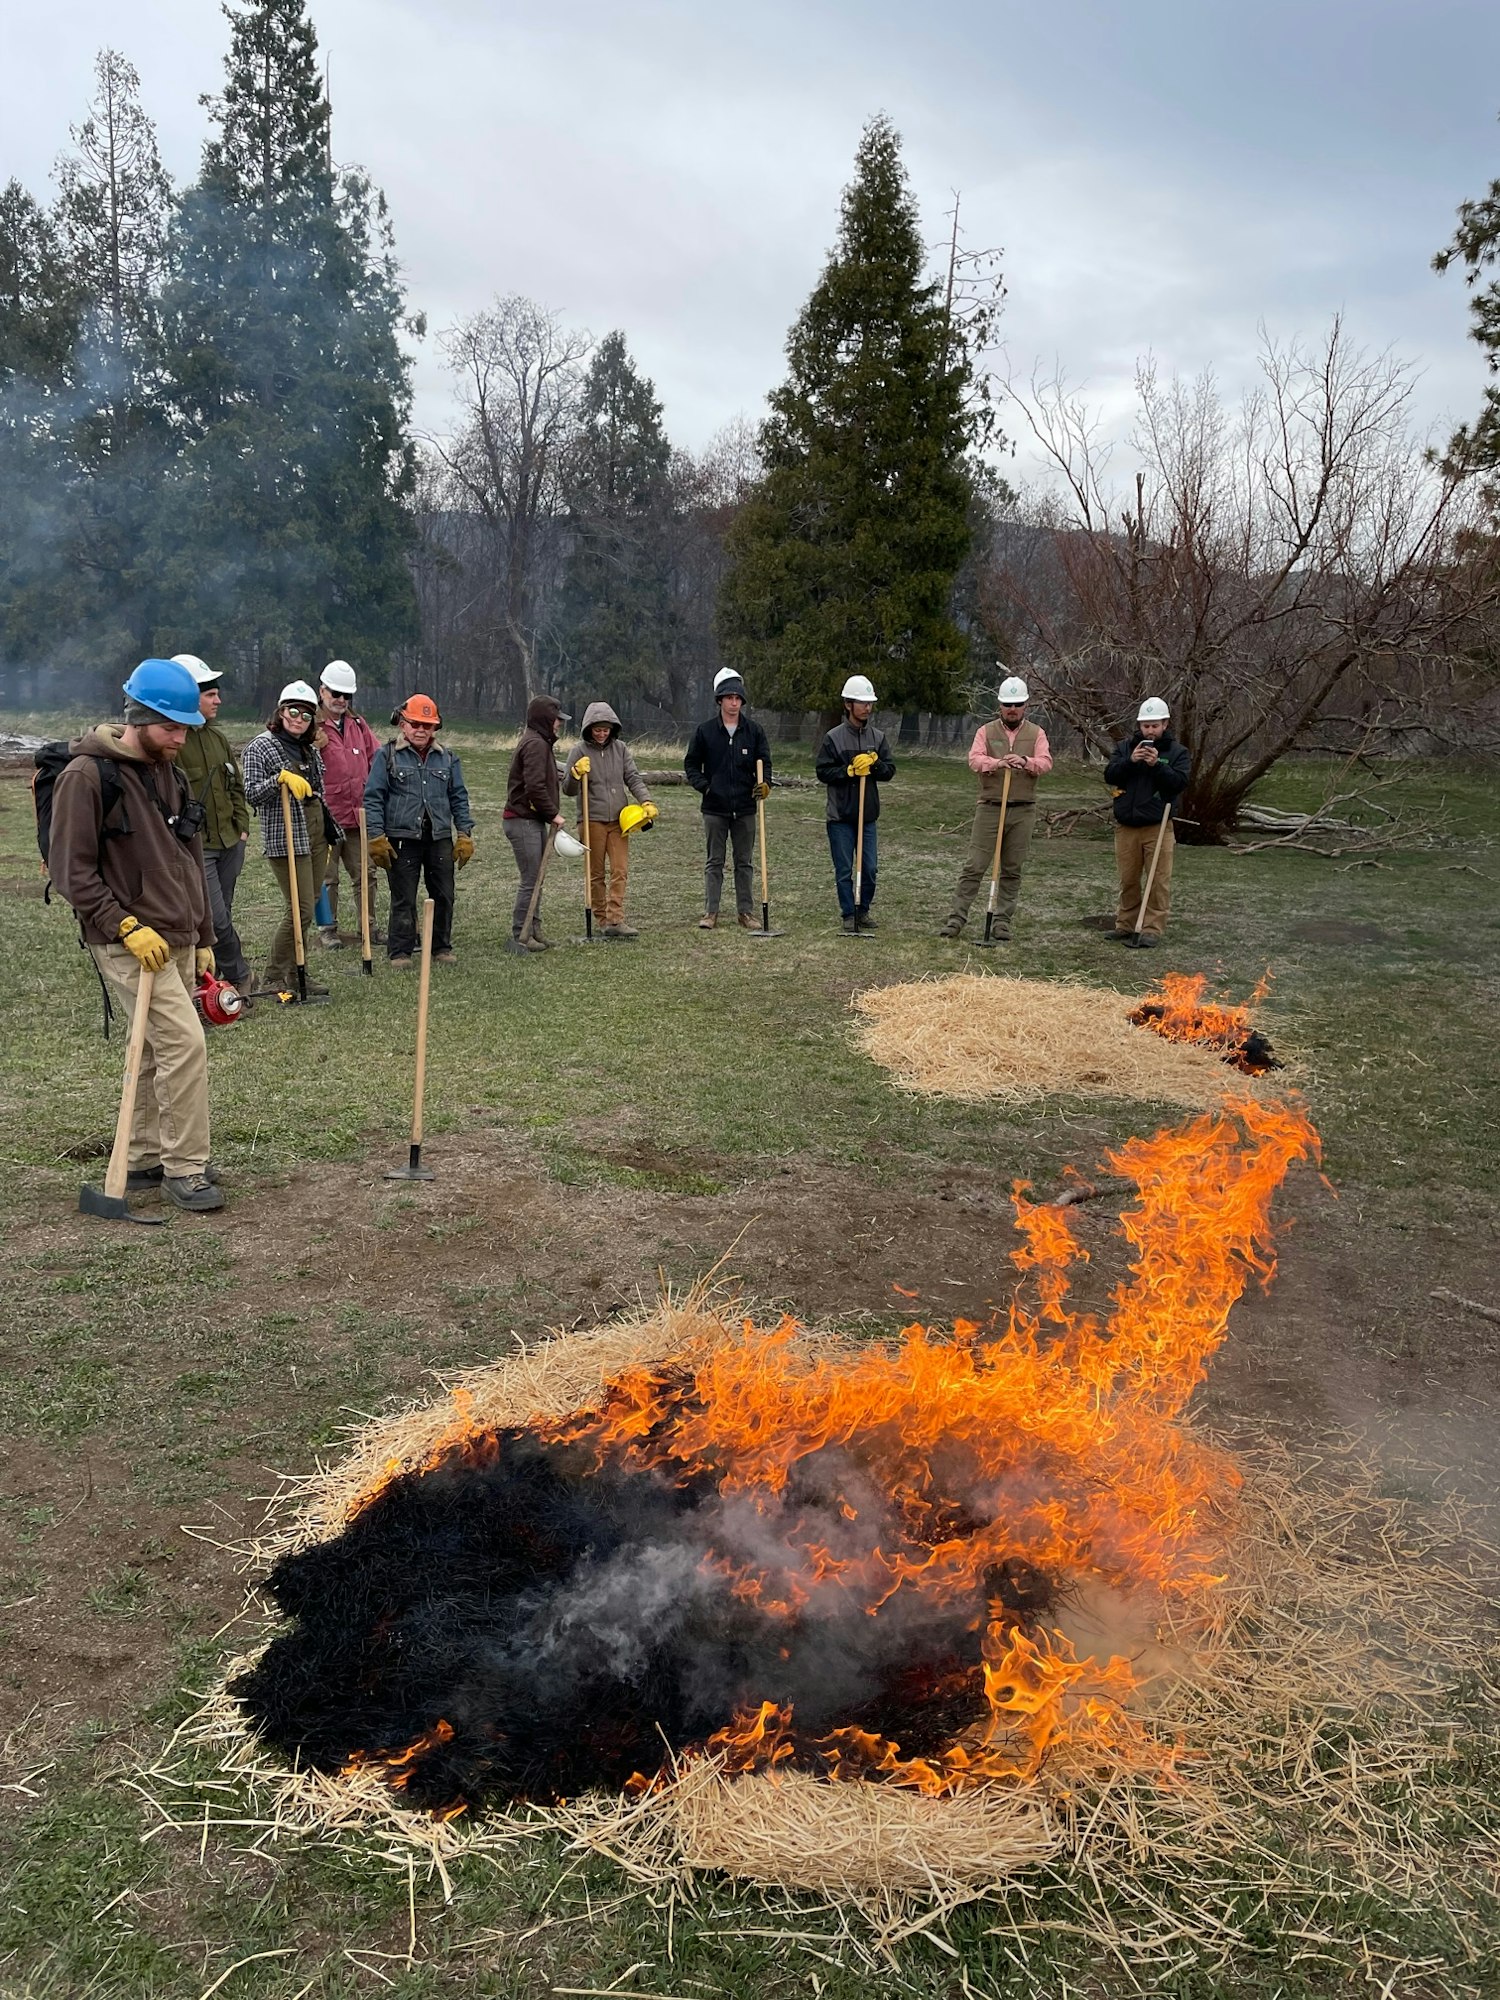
(148,873)
(533,783)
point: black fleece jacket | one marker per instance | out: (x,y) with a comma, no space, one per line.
(1146,790)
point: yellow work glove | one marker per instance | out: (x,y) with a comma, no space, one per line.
(295,783)
(463,849)
(762,789)
(580,768)
(651,811)
(203,960)
(381,851)
(147,947)
(863,764)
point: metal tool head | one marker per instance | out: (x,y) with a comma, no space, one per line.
(114,1208)
(764,933)
(411,1174)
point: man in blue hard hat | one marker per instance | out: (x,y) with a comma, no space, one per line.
(126,852)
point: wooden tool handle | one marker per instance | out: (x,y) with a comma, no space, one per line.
(419,1085)
(1161,834)
(135,1048)
(291,875)
(364,885)
(536,887)
(760,828)
(999,836)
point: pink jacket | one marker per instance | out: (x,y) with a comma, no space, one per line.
(347,757)
(1038,763)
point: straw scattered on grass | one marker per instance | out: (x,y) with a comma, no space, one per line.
(1315,1776)
(974,1037)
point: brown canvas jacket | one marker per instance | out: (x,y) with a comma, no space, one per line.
(148,874)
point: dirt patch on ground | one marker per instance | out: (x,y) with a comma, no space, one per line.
(106,1581)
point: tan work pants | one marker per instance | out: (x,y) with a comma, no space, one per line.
(171,1099)
(281,973)
(1019,818)
(607,845)
(343,858)
(1133,847)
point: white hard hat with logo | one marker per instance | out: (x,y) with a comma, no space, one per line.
(1012,690)
(297,694)
(200,670)
(858,688)
(338,677)
(1153,709)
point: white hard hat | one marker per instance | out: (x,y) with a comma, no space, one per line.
(300,692)
(1014,689)
(1153,709)
(725,674)
(338,677)
(566,844)
(858,688)
(201,672)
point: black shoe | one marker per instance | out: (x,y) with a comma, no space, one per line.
(851,925)
(195,1192)
(1143,940)
(143,1177)
(1118,937)
(867,922)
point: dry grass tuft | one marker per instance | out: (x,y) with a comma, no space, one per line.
(1312,1742)
(974,1037)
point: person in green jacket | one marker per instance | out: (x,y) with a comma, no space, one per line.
(208,762)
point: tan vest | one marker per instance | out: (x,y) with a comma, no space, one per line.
(998,744)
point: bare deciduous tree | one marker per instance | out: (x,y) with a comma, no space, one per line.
(520,378)
(1266,559)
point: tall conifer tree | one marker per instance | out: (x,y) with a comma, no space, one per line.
(615,616)
(844,558)
(283,533)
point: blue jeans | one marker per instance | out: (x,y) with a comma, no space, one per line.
(841,834)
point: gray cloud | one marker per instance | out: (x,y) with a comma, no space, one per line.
(1163,176)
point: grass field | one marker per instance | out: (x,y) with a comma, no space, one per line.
(596,1118)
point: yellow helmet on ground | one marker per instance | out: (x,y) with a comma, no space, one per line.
(634,816)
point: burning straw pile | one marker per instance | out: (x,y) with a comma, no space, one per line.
(977,1038)
(894,1623)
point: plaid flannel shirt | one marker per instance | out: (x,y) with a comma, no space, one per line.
(264,756)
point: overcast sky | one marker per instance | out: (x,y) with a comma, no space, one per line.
(1162,176)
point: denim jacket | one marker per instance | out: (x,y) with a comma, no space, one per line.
(402,788)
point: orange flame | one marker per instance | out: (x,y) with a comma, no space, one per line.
(1178,1012)
(1049,1448)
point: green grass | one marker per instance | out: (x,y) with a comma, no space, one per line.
(686,1068)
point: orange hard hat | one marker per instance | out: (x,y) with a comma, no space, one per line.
(419,708)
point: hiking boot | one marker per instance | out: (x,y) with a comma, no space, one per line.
(851,925)
(709,921)
(952,928)
(1118,937)
(1143,940)
(329,938)
(867,922)
(400,962)
(746,921)
(195,1192)
(445,957)
(144,1177)
(620,931)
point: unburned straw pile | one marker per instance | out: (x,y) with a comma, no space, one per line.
(1121,1656)
(974,1038)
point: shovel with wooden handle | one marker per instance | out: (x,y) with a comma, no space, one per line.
(765,930)
(989,941)
(110,1203)
(414,1170)
(859,848)
(368,962)
(518,942)
(296,900)
(1161,834)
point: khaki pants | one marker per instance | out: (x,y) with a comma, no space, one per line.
(1133,847)
(281,973)
(607,845)
(343,858)
(171,1099)
(1019,818)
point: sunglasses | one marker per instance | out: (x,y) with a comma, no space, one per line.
(337,694)
(426,727)
(305,713)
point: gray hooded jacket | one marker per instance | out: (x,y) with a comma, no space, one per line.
(613,778)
